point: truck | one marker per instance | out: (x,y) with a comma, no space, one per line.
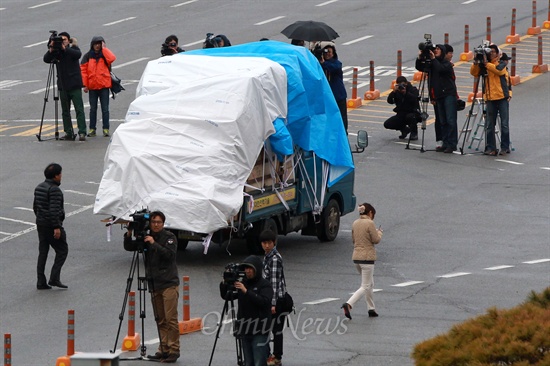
(229,142)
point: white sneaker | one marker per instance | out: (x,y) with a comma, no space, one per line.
(438,144)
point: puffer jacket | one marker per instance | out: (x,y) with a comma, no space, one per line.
(496,87)
(96,67)
(48,204)
(68,73)
(365,236)
(161,259)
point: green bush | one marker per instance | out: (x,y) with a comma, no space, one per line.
(516,337)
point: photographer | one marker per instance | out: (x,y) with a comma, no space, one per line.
(64,52)
(443,93)
(170,46)
(497,95)
(254,295)
(160,248)
(407,107)
(335,76)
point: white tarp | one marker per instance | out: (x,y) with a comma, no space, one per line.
(191,138)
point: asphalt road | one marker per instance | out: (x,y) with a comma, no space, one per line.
(462,233)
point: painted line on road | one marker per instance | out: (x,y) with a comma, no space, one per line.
(182,4)
(130,62)
(421,18)
(82,193)
(536,261)
(271,20)
(327,2)
(456,274)
(36,44)
(498,267)
(44,4)
(193,43)
(408,283)
(24,208)
(357,40)
(17,234)
(320,301)
(545,168)
(19,221)
(118,21)
(3,232)
(509,162)
(469,2)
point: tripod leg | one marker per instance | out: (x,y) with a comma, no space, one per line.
(224,311)
(46,96)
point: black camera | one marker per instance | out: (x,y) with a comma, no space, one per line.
(402,86)
(211,41)
(166,50)
(57,40)
(140,224)
(319,52)
(426,46)
(233,272)
(482,53)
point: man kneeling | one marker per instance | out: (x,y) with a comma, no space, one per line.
(407,109)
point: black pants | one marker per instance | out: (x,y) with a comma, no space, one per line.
(343,107)
(277,330)
(400,121)
(45,239)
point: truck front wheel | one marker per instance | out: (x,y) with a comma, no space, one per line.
(327,229)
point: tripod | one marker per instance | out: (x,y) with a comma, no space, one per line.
(229,299)
(481,113)
(50,84)
(142,288)
(424,100)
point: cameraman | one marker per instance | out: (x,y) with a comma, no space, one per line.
(407,107)
(160,248)
(497,95)
(170,46)
(443,93)
(69,82)
(253,323)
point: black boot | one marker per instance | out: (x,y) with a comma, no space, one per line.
(404,132)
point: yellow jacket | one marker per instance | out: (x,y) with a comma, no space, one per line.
(497,80)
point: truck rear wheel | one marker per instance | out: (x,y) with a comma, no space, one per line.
(327,229)
(253,240)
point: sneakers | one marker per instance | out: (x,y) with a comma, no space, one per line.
(373,313)
(346,308)
(68,137)
(273,361)
(81,137)
(92,133)
(438,144)
(105,132)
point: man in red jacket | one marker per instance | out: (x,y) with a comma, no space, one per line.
(96,77)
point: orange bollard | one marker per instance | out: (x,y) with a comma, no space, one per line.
(514,79)
(131,341)
(534,29)
(66,360)
(399,70)
(488,29)
(372,94)
(7,349)
(513,37)
(540,68)
(546,24)
(354,102)
(188,325)
(467,55)
(446,38)
(473,95)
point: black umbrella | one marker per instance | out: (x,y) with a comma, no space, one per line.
(309,30)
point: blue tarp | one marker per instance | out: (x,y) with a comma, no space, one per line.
(313,119)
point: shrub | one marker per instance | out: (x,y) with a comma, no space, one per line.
(516,337)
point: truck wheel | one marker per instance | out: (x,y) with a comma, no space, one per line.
(252,239)
(182,244)
(327,229)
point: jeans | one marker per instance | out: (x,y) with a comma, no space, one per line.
(446,109)
(367,285)
(103,96)
(255,349)
(45,239)
(500,107)
(76,97)
(165,304)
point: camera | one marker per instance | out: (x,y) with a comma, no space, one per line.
(319,52)
(211,41)
(166,50)
(140,224)
(426,46)
(482,52)
(401,86)
(57,40)
(232,273)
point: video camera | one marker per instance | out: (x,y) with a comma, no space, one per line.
(166,50)
(211,41)
(426,46)
(232,273)
(57,41)
(482,52)
(140,224)
(319,52)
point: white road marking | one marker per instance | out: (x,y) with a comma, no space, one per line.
(24,208)
(509,161)
(469,2)
(356,40)
(421,18)
(536,261)
(3,232)
(118,21)
(193,43)
(270,20)
(327,2)
(408,283)
(181,4)
(19,221)
(498,267)
(545,168)
(320,301)
(36,44)
(130,62)
(81,193)
(44,4)
(456,274)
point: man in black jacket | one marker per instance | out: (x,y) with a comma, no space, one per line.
(160,247)
(407,107)
(69,82)
(50,213)
(253,324)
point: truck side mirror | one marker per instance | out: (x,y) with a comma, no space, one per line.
(362,141)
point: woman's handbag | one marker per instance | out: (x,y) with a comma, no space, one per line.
(285,305)
(116,86)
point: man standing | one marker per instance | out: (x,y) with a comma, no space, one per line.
(69,82)
(441,82)
(497,96)
(96,77)
(50,213)
(162,272)
(407,108)
(274,274)
(254,295)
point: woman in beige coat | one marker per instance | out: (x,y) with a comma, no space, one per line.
(365,236)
